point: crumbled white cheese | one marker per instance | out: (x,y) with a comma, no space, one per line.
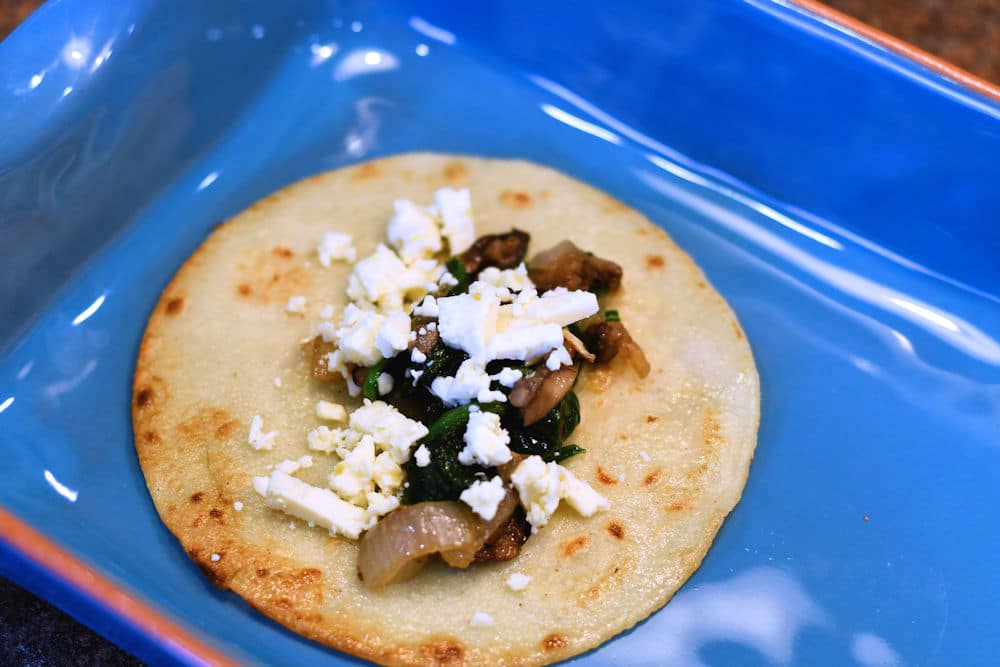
(380,504)
(508,377)
(392,431)
(485,441)
(352,477)
(296,304)
(513,279)
(481,620)
(331,411)
(277,382)
(644,456)
(385,384)
(384,279)
(447,280)
(518,581)
(238,506)
(542,485)
(215,558)
(413,231)
(326,439)
(427,308)
(417,357)
(563,307)
(470,382)
(327,330)
(335,245)
(258,439)
(394,334)
(558,358)
(388,474)
(484,497)
(422,456)
(526,342)
(327,312)
(311,503)
(456,221)
(358,336)
(291,466)
(467,322)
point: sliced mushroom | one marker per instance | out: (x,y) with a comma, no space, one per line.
(426,341)
(610,338)
(565,265)
(576,347)
(506,542)
(316,350)
(504,251)
(542,391)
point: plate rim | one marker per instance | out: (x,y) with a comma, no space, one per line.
(141,618)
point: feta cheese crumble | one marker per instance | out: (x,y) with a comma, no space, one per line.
(283,492)
(238,506)
(542,485)
(518,581)
(216,558)
(644,456)
(481,620)
(296,304)
(422,456)
(331,411)
(258,439)
(484,497)
(335,245)
(455,207)
(485,441)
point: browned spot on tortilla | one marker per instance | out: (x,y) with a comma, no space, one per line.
(444,651)
(640,232)
(604,477)
(263,572)
(569,548)
(303,585)
(515,199)
(554,641)
(737,331)
(623,437)
(679,506)
(196,497)
(174,306)
(653,477)
(144,397)
(198,522)
(615,530)
(150,437)
(366,172)
(215,513)
(652,419)
(654,261)
(702,284)
(206,424)
(225,430)
(600,403)
(272,280)
(455,171)
(711,431)
(208,568)
(282,252)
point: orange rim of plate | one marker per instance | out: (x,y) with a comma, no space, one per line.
(54,559)
(876,36)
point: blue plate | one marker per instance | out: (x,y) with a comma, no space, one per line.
(842,198)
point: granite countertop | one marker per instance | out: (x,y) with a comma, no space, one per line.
(963,32)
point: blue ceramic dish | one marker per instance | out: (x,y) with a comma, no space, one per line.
(841,197)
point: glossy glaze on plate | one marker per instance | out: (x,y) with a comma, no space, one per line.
(842,199)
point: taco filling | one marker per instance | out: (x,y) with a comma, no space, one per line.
(464,354)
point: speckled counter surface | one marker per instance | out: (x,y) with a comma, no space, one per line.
(963,32)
